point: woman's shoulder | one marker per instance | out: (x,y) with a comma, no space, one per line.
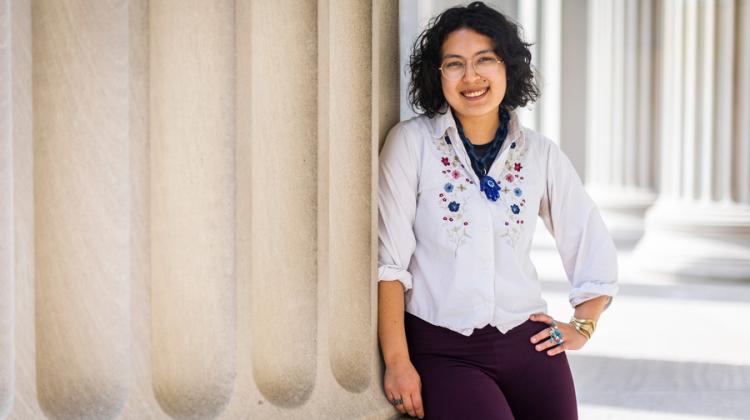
(537,140)
(410,134)
(417,127)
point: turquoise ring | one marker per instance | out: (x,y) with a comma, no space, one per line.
(556,335)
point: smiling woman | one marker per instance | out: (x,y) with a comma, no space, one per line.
(461,319)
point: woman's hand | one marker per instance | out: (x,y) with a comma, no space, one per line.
(572,339)
(402,381)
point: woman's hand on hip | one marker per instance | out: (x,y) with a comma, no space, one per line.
(569,337)
(402,381)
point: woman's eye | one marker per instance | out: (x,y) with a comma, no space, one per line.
(486,59)
(453,65)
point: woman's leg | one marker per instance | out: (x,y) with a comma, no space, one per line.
(537,386)
(452,390)
(454,370)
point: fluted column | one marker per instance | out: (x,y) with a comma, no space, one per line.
(556,30)
(198,239)
(25,404)
(700,226)
(192,139)
(621,113)
(81,207)
(7,288)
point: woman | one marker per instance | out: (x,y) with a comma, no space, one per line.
(462,325)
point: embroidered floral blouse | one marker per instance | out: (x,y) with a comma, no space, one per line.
(463,259)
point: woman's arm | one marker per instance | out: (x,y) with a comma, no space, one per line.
(391,322)
(592,309)
(401,379)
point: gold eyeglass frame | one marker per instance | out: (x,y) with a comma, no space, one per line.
(497,60)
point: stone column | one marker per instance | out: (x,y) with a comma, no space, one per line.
(700,225)
(413,18)
(81,207)
(621,113)
(7,288)
(192,196)
(202,216)
(557,30)
(310,118)
(25,404)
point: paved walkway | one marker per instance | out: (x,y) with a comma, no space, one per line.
(666,349)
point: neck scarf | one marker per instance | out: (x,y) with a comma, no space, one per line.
(481,165)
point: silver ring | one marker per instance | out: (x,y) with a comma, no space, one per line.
(397,401)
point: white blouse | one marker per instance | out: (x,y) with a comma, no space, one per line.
(463,259)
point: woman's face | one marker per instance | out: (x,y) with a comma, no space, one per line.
(473,95)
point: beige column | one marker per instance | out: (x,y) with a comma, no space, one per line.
(7,283)
(557,30)
(621,113)
(25,403)
(192,136)
(310,118)
(202,208)
(81,207)
(700,226)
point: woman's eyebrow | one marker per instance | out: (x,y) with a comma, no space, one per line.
(460,56)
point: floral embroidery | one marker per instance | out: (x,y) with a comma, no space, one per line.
(452,198)
(512,193)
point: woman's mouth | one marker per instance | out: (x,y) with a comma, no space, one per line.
(475,94)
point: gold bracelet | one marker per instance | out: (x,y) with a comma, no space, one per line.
(583,330)
(584,321)
(584,326)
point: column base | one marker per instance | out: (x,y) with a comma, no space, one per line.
(623,211)
(693,239)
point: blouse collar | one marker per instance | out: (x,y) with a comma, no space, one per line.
(444,120)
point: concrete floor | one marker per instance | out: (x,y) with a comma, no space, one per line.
(666,349)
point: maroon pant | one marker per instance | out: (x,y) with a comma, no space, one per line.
(489,375)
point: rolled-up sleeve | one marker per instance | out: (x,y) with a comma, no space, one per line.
(586,248)
(397,206)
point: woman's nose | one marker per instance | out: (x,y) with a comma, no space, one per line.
(469,73)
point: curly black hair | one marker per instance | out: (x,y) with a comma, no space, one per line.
(425,90)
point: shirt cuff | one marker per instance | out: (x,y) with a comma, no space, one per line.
(590,290)
(392,272)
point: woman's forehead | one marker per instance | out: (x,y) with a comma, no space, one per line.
(465,43)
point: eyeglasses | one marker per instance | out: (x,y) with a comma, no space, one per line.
(484,65)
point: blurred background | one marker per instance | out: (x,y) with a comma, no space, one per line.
(651,101)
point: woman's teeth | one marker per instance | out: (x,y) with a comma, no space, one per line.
(475,93)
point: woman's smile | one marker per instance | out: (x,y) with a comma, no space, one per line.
(475,94)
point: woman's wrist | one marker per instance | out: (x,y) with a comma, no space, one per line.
(591,309)
(396,359)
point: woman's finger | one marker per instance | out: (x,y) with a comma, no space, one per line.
(540,336)
(557,349)
(409,405)
(542,317)
(399,407)
(416,399)
(545,345)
